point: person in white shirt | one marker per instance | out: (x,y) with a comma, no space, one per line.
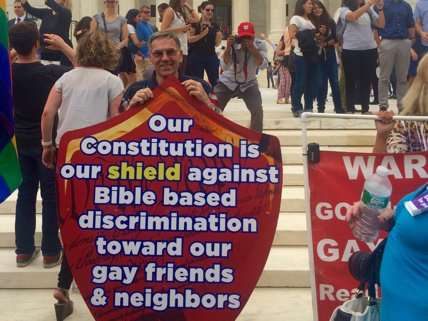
(84,96)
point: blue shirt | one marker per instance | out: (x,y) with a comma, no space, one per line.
(398,20)
(404,268)
(421,14)
(144,32)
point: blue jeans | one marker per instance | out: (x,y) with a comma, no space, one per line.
(329,73)
(196,65)
(33,173)
(305,79)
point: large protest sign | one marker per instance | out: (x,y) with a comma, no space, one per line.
(168,212)
(336,183)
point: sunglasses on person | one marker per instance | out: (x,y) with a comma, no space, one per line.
(209,10)
(146,11)
(169,52)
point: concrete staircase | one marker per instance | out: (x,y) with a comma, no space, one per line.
(288,263)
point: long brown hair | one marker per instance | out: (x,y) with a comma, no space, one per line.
(178,8)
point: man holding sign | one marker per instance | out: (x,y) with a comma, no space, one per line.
(166,57)
(168,212)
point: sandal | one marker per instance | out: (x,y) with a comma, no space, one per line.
(64,306)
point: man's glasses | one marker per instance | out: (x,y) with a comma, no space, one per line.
(209,10)
(146,12)
(169,52)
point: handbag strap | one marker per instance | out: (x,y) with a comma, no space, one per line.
(103,16)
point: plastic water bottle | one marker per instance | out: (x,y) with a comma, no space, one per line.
(374,199)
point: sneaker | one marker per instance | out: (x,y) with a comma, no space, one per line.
(23,260)
(281,101)
(49,261)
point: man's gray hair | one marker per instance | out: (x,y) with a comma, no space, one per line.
(165,35)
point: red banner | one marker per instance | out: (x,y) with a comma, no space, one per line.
(336,183)
(168,212)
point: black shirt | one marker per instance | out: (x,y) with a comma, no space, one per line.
(206,45)
(31,86)
(152,84)
(58,23)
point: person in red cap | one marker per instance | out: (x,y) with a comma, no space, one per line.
(244,54)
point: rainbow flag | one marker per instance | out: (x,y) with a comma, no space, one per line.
(10,173)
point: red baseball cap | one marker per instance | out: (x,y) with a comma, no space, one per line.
(246,29)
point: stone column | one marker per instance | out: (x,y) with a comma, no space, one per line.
(87,8)
(240,13)
(196,4)
(125,6)
(277,19)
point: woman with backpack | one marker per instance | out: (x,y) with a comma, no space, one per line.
(305,58)
(359,49)
(116,28)
(326,27)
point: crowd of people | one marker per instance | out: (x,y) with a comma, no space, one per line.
(116,64)
(118,61)
(367,46)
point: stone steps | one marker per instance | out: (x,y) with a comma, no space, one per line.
(346,138)
(284,120)
(287,266)
(37,305)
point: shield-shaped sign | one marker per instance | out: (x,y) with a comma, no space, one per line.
(168,211)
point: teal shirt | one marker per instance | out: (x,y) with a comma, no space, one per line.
(404,270)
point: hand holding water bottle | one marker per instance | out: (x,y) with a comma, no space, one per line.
(354,213)
(366,217)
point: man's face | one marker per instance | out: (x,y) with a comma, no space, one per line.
(165,56)
(145,14)
(246,40)
(19,9)
(110,3)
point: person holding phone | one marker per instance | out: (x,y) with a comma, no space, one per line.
(205,35)
(177,18)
